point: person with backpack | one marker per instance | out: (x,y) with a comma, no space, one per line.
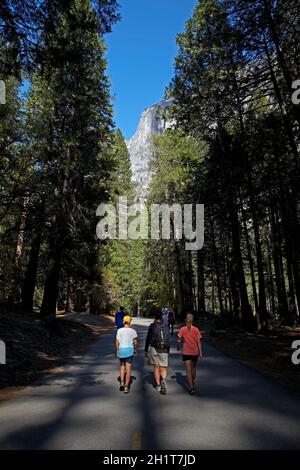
(171,320)
(158,346)
(126,347)
(190,336)
(119,318)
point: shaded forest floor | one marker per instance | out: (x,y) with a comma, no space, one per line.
(31,350)
(270,355)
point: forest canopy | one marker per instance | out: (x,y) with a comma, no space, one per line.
(233,146)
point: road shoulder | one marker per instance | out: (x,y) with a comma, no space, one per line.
(32,351)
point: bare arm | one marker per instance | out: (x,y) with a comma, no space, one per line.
(117,347)
(178,342)
(135,343)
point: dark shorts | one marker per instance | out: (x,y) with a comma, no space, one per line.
(186,357)
(123,360)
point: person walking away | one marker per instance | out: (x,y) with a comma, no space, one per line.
(190,336)
(158,346)
(126,347)
(119,318)
(171,320)
(164,318)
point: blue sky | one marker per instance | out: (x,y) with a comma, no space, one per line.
(141,52)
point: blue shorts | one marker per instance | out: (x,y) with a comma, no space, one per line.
(123,360)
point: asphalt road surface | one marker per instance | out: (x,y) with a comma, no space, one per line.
(82,408)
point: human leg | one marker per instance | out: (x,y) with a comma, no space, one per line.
(122,372)
(194,370)
(189,376)
(157,374)
(128,372)
(163,374)
(128,367)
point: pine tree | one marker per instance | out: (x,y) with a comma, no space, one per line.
(73,105)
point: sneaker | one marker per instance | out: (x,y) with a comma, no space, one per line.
(158,388)
(126,389)
(192,391)
(163,387)
(121,387)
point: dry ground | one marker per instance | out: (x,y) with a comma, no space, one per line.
(32,351)
(270,354)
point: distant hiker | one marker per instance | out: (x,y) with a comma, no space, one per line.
(119,318)
(126,346)
(171,320)
(191,337)
(158,346)
(164,317)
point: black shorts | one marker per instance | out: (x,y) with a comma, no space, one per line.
(123,360)
(186,357)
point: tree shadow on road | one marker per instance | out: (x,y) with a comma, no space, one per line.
(149,379)
(240,402)
(83,404)
(180,379)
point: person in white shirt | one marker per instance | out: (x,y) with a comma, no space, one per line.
(126,347)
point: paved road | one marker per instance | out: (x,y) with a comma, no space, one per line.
(235,408)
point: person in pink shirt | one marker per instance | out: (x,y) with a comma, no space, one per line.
(190,336)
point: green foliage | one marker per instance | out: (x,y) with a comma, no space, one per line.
(121,260)
(58,169)
(235,148)
(231,90)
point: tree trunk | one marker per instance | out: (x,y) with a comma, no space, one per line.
(270,280)
(31,273)
(200,282)
(250,260)
(262,306)
(51,287)
(248,321)
(15,292)
(191,281)
(291,250)
(179,278)
(216,262)
(238,274)
(278,266)
(32,267)
(68,308)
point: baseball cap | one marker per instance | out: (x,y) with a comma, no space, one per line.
(127,319)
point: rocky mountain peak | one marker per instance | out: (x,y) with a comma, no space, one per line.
(140,146)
